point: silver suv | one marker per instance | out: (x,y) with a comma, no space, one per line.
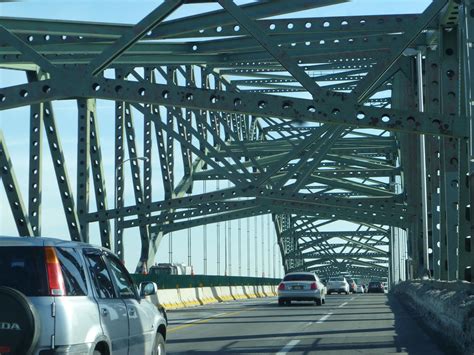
(62,297)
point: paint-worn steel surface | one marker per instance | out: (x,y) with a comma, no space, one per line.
(362,154)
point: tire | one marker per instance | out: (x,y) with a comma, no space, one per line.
(159,347)
(281,302)
(288,303)
(324,300)
(318,301)
(20,322)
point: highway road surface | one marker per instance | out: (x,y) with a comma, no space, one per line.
(346,324)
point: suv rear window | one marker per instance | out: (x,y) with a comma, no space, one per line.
(23,268)
(299,277)
(73,271)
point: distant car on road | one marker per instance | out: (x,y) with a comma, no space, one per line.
(63,297)
(301,286)
(338,284)
(376,287)
(352,285)
(170,269)
(360,289)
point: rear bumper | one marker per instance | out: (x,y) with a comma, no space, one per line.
(77,349)
(299,295)
(342,289)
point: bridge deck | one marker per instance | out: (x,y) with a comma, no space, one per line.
(367,323)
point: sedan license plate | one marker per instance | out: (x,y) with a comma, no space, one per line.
(298,287)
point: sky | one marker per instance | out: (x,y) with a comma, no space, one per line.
(15,125)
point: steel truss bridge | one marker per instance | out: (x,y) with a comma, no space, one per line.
(353,132)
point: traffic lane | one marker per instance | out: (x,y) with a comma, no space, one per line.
(346,324)
(253,326)
(370,324)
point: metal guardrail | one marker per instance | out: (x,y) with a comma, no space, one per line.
(185,281)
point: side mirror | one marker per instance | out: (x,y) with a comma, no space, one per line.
(148,288)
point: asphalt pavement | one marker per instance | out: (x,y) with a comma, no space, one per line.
(346,324)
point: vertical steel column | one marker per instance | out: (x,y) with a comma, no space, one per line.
(256,245)
(85,107)
(402,96)
(263,245)
(204,237)
(248,246)
(268,245)
(118,171)
(450,148)
(218,236)
(225,248)
(423,170)
(239,245)
(98,177)
(35,176)
(149,76)
(229,246)
(170,247)
(432,99)
(466,244)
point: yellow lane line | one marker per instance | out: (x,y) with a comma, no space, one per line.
(206,320)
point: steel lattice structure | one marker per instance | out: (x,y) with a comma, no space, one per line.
(363,119)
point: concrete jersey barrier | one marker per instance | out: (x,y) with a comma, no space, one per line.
(445,307)
(188,297)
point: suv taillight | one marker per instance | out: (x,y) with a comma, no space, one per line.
(281,286)
(314,286)
(55,275)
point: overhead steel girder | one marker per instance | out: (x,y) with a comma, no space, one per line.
(316,244)
(173,28)
(339,268)
(354,160)
(128,39)
(352,261)
(215,100)
(362,205)
(244,209)
(350,243)
(351,186)
(367,85)
(85,49)
(317,255)
(337,234)
(333,173)
(329,26)
(320,246)
(351,270)
(266,148)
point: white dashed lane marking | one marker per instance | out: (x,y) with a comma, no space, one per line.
(324,318)
(288,347)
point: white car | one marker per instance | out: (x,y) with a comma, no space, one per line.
(301,286)
(360,289)
(338,284)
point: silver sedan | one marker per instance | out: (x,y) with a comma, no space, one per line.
(301,286)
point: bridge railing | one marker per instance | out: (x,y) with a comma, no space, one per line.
(191,281)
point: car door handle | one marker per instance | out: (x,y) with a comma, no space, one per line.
(105,312)
(132,312)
